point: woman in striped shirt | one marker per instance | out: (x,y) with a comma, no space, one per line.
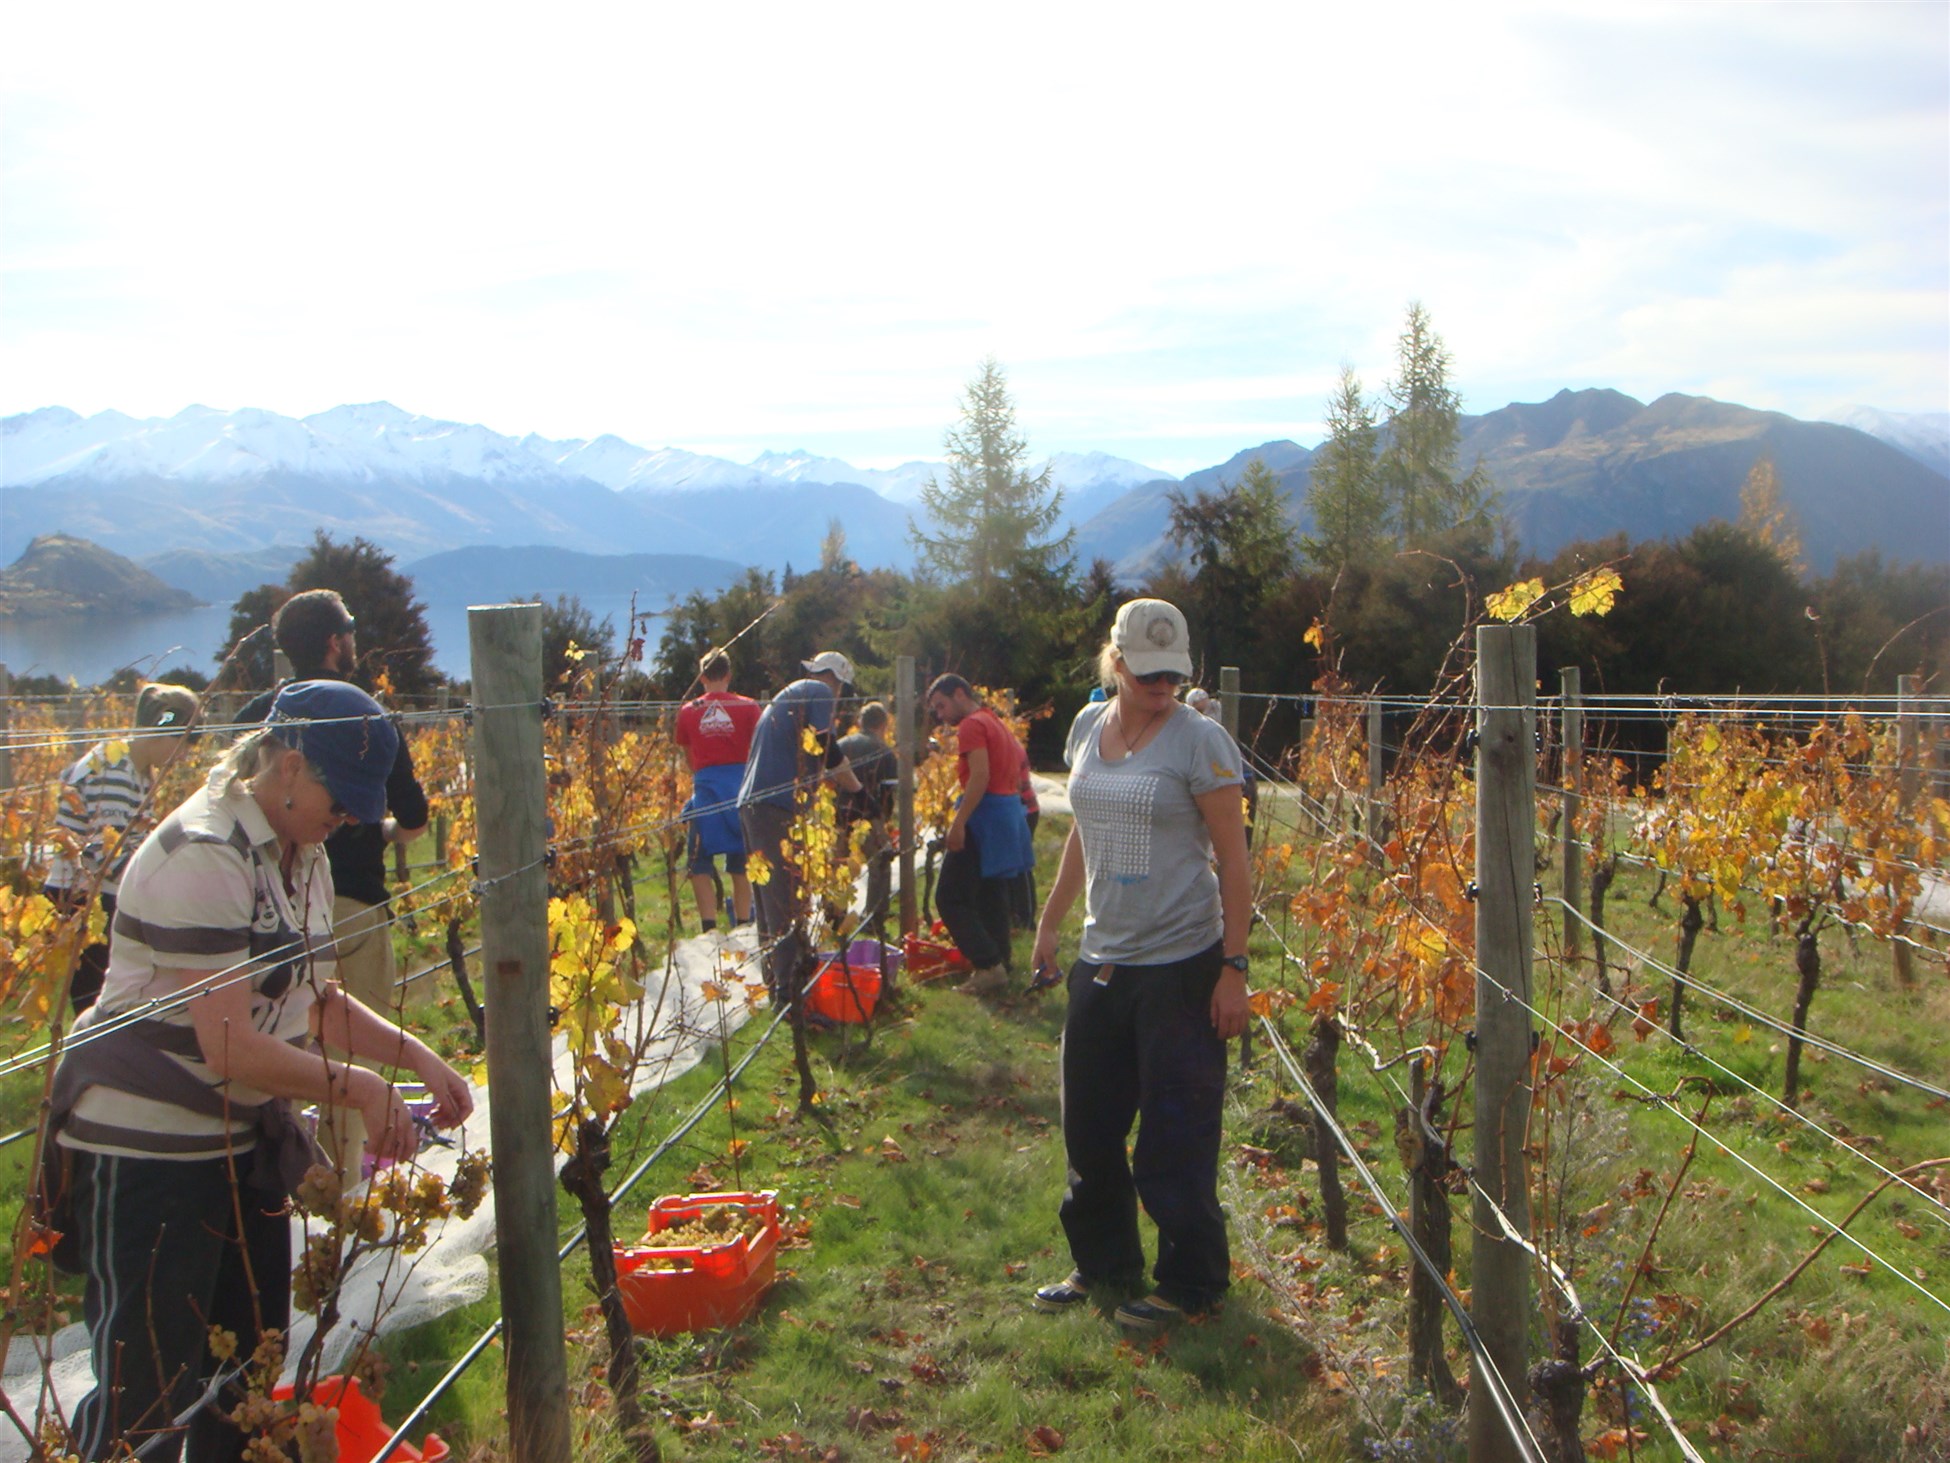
(172,1100)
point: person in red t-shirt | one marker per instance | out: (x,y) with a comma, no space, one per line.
(715,731)
(988,838)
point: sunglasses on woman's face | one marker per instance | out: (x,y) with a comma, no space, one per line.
(1169,678)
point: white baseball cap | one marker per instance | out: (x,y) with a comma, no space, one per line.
(831,660)
(1151,636)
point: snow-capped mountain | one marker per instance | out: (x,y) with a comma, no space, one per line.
(1923,435)
(380,442)
(201,444)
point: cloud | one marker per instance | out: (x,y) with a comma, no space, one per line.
(775,226)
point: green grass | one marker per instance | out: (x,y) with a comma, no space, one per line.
(929,1196)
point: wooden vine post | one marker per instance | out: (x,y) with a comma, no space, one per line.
(510,799)
(1229,719)
(904,708)
(6,733)
(1909,765)
(1506,872)
(1375,760)
(1571,851)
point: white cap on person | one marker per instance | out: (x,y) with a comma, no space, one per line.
(831,660)
(1151,636)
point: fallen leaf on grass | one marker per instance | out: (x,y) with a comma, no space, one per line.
(892,1151)
(1608,1444)
(846,1201)
(1908,1230)
(868,1420)
(906,1445)
(1042,1441)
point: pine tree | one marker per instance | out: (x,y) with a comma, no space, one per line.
(1418,466)
(1344,492)
(992,519)
(1241,545)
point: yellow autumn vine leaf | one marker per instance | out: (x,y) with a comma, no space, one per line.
(1595,592)
(1508,604)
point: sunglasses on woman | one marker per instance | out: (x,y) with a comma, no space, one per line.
(1171,678)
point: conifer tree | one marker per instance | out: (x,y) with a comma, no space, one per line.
(992,520)
(1344,494)
(1417,471)
(1241,545)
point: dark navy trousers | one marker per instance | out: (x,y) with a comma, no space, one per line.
(167,1260)
(1141,1047)
(975,909)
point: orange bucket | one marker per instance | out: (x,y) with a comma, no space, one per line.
(719,1284)
(844,991)
(362,1430)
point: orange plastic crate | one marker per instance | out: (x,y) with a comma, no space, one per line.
(930,959)
(722,1285)
(362,1430)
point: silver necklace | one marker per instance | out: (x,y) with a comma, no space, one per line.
(1132,744)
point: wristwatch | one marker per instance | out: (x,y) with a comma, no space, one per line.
(1237,962)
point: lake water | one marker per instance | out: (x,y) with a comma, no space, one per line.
(91,649)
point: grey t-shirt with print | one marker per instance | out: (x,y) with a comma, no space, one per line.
(1150,895)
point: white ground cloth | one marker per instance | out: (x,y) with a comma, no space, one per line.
(402,1291)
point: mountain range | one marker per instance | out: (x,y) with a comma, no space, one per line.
(200,489)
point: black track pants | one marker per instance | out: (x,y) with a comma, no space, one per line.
(1141,1047)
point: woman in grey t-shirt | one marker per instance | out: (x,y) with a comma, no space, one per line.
(1160,981)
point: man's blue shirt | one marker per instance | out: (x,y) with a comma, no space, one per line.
(778,762)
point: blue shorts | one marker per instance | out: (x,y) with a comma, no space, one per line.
(702,861)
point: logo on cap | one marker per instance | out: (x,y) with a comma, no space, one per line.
(1160,632)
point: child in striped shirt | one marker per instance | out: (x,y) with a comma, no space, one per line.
(103,795)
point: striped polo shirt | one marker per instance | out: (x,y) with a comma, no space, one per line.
(101,792)
(203,894)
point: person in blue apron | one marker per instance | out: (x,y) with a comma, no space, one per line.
(715,731)
(1157,849)
(988,842)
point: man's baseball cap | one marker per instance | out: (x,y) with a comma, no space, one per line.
(163,707)
(831,660)
(343,733)
(1151,636)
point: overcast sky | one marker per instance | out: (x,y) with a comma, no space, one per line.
(731,228)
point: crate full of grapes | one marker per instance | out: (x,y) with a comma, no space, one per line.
(704,1261)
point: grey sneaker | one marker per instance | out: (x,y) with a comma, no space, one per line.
(1152,1314)
(989,980)
(1065,1295)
